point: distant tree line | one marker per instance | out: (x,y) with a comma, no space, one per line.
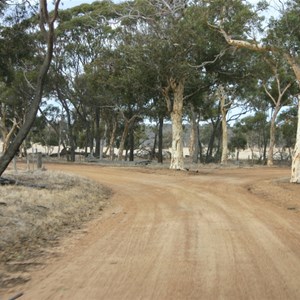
(95,72)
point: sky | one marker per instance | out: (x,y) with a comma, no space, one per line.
(70,3)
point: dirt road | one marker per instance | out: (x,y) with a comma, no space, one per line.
(217,234)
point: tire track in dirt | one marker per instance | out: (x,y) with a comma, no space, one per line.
(173,236)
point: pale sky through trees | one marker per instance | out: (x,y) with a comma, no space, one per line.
(70,3)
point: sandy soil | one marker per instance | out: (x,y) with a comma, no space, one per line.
(214,234)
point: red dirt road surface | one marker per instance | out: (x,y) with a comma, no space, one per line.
(215,234)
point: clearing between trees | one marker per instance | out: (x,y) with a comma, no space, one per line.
(218,233)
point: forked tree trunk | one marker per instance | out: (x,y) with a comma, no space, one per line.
(278,105)
(128,123)
(175,107)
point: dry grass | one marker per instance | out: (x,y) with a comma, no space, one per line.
(35,217)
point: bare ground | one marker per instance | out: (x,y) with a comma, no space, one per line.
(231,233)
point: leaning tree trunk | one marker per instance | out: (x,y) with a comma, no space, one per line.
(175,108)
(14,146)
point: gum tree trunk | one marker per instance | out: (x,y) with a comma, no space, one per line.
(295,176)
(224,109)
(270,161)
(128,123)
(194,137)
(160,140)
(47,29)
(174,97)
(295,172)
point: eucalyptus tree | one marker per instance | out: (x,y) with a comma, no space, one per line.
(46,26)
(287,127)
(282,37)
(255,128)
(276,81)
(18,57)
(84,32)
(15,98)
(180,48)
(133,82)
(238,140)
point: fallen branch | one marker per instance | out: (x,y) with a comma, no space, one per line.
(16,296)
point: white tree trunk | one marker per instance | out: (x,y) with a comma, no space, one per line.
(177,145)
(270,161)
(295,176)
(224,158)
(175,108)
(224,109)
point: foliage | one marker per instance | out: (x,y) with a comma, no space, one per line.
(112,62)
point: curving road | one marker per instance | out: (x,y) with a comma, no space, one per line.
(172,235)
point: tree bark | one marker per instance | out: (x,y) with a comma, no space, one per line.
(175,107)
(295,172)
(97,132)
(194,137)
(295,176)
(110,147)
(128,123)
(160,140)
(270,160)
(153,150)
(200,152)
(210,147)
(14,146)
(131,144)
(224,110)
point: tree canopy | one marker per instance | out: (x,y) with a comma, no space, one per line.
(117,64)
